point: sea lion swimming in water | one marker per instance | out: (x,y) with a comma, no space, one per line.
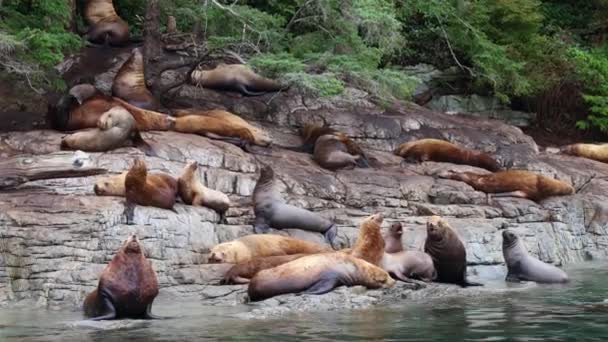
(317,274)
(84,104)
(193,192)
(448,252)
(130,83)
(598,152)
(127,287)
(443,151)
(515,183)
(235,77)
(105,26)
(271,211)
(370,244)
(115,128)
(521,266)
(147,192)
(253,246)
(242,272)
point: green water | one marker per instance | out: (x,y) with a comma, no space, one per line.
(538,313)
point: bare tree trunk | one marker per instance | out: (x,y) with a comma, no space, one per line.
(152,44)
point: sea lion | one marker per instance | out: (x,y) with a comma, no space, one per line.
(235,77)
(193,192)
(448,252)
(392,240)
(253,246)
(521,266)
(370,243)
(408,265)
(331,148)
(443,151)
(242,272)
(317,274)
(114,185)
(271,211)
(155,192)
(105,26)
(115,127)
(84,104)
(220,124)
(516,183)
(127,287)
(597,152)
(130,83)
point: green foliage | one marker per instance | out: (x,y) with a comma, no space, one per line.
(276,65)
(592,73)
(327,84)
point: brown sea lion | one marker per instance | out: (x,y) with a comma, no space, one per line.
(253,246)
(317,274)
(597,152)
(370,244)
(127,287)
(220,124)
(448,252)
(130,83)
(331,148)
(443,151)
(271,211)
(516,183)
(521,266)
(114,185)
(84,104)
(154,192)
(392,239)
(105,26)
(408,265)
(242,272)
(193,192)
(115,128)
(235,77)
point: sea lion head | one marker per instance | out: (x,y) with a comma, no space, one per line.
(199,75)
(266,174)
(396,230)
(111,185)
(222,253)
(376,218)
(132,245)
(82,92)
(436,228)
(509,238)
(116,116)
(380,277)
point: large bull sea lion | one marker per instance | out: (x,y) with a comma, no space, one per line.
(253,246)
(127,287)
(272,211)
(521,266)
(317,274)
(448,252)
(158,192)
(105,26)
(235,77)
(130,83)
(597,152)
(370,243)
(516,183)
(242,272)
(443,151)
(193,192)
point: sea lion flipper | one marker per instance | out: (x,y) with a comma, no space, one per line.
(467,283)
(111,311)
(260,226)
(323,285)
(150,315)
(331,233)
(512,278)
(243,89)
(363,162)
(517,193)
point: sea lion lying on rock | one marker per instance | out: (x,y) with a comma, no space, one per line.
(242,272)
(317,274)
(130,83)
(443,151)
(249,247)
(448,252)
(271,211)
(515,183)
(105,26)
(405,265)
(235,77)
(597,152)
(193,192)
(127,287)
(158,192)
(330,148)
(521,266)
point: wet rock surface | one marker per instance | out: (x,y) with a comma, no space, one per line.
(56,236)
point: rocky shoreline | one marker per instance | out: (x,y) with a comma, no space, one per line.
(57,236)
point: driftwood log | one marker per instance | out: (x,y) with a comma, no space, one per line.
(26,168)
